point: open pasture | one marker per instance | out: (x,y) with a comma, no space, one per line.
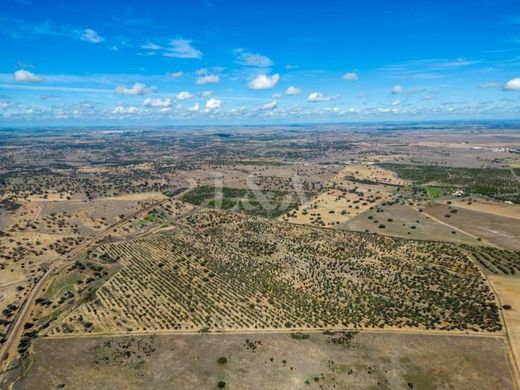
(271,361)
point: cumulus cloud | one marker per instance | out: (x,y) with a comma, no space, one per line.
(213,104)
(292,91)
(208,79)
(396,89)
(175,75)
(263,81)
(252,59)
(184,95)
(136,89)
(125,110)
(395,102)
(181,48)
(149,102)
(513,85)
(316,97)
(206,93)
(25,76)
(351,76)
(90,35)
(194,108)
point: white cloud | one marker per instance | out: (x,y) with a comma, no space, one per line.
(184,95)
(25,76)
(396,102)
(194,108)
(4,105)
(396,89)
(125,110)
(277,95)
(458,62)
(263,81)
(513,85)
(489,85)
(252,59)
(270,106)
(351,76)
(292,91)
(319,97)
(149,102)
(206,93)
(175,75)
(213,104)
(208,79)
(151,46)
(136,89)
(90,35)
(181,48)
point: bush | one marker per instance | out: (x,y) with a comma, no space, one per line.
(222,360)
(300,336)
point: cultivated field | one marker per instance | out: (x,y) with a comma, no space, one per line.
(498,183)
(271,275)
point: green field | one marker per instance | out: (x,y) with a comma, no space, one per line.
(434,192)
(152,216)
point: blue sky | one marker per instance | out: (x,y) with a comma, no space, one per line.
(240,62)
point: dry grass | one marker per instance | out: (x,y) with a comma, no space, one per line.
(277,362)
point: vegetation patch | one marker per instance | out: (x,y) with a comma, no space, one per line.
(496,261)
(493,182)
(228,271)
(251,202)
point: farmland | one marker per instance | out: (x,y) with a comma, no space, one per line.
(343,254)
(204,276)
(498,230)
(497,261)
(497,183)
